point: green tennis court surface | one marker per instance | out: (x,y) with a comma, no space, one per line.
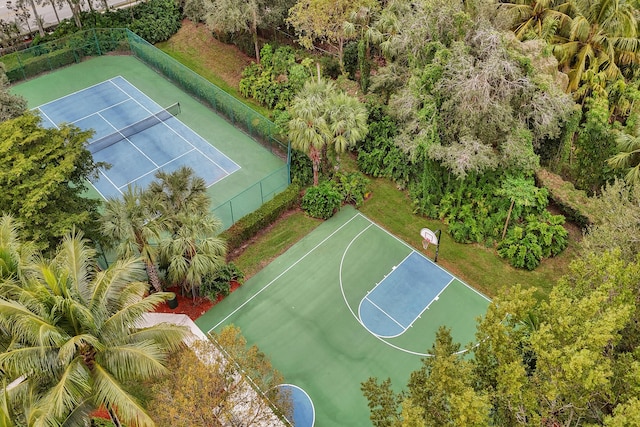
(348,302)
(257,164)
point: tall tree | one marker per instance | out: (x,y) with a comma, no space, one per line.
(204,388)
(599,43)
(322,119)
(75,338)
(231,16)
(43,173)
(191,250)
(324,20)
(532,17)
(628,157)
(134,227)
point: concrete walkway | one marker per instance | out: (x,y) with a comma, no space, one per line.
(248,408)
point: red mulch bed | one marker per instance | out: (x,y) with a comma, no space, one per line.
(187,305)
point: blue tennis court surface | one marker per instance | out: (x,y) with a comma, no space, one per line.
(110,107)
(402,296)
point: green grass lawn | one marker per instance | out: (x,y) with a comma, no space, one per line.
(221,64)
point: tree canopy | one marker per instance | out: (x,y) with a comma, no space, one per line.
(43,175)
(75,338)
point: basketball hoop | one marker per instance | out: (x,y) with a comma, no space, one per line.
(428,237)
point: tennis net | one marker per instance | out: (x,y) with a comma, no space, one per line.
(137,127)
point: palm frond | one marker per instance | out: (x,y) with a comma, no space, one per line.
(139,361)
(111,394)
(71,389)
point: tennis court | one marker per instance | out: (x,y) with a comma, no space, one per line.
(135,136)
(348,302)
(260,176)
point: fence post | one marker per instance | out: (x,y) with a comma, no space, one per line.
(95,39)
(289,163)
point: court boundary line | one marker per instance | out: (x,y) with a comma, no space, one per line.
(48,118)
(282,274)
(174,131)
(313,407)
(79,90)
(100,171)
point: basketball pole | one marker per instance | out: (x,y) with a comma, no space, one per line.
(438,234)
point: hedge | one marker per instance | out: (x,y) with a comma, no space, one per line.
(574,204)
(248,226)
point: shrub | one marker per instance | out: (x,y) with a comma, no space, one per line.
(542,236)
(322,201)
(301,168)
(278,77)
(352,186)
(249,225)
(220,283)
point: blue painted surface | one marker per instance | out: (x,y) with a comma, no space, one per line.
(399,299)
(303,410)
(115,104)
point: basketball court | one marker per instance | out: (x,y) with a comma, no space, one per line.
(348,302)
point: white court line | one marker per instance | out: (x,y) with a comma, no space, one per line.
(130,142)
(282,274)
(108,179)
(180,136)
(404,328)
(78,91)
(48,118)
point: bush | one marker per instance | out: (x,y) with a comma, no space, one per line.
(220,283)
(352,186)
(330,66)
(249,225)
(543,236)
(301,168)
(276,80)
(322,201)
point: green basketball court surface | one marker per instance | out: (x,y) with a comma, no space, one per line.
(348,302)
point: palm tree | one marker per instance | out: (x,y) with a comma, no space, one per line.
(308,127)
(347,118)
(629,157)
(133,223)
(194,251)
(179,191)
(599,42)
(323,118)
(532,16)
(191,249)
(75,338)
